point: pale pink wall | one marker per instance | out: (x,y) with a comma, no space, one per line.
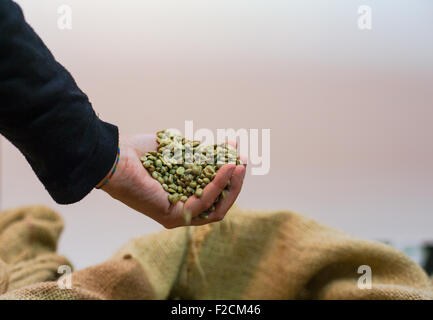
(350,112)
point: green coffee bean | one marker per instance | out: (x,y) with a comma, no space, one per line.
(193,184)
(180,171)
(196,170)
(198,192)
(173,198)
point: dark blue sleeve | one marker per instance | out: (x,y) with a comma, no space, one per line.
(47,117)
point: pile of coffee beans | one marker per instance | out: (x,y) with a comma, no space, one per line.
(184,167)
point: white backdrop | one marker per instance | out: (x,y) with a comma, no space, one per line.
(350,111)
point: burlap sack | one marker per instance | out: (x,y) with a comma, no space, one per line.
(249,255)
(28,241)
(273,255)
(114,279)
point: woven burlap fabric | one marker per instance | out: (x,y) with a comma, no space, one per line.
(249,255)
(274,255)
(28,241)
(115,279)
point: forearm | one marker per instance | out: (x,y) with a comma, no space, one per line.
(46,116)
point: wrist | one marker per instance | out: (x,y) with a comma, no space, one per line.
(110,174)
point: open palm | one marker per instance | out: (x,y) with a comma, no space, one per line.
(133,185)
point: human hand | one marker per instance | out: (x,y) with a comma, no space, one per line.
(133,185)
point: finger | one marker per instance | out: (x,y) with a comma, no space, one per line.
(244,160)
(211,191)
(144,143)
(225,204)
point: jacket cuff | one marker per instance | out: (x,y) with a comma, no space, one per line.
(96,167)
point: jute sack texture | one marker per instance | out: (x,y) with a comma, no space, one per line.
(248,255)
(28,243)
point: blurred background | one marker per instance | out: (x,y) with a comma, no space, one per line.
(350,110)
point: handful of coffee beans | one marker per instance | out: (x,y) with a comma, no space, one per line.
(184,167)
